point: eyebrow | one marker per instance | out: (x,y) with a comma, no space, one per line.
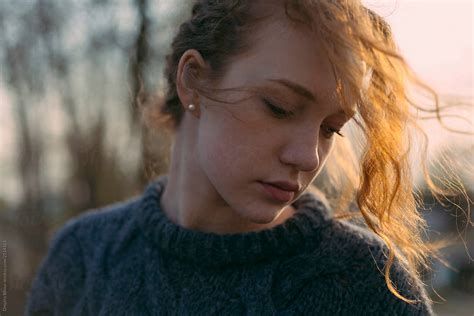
(299,89)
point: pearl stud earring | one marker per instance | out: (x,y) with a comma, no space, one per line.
(191,107)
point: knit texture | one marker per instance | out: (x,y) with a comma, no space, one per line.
(131,259)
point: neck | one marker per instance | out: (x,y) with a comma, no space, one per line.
(301,231)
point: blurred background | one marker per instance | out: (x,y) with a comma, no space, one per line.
(71,137)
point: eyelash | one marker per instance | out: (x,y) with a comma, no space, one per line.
(277,111)
(282,114)
(333,131)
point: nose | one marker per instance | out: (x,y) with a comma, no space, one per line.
(302,151)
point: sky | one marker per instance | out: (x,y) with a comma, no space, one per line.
(436,38)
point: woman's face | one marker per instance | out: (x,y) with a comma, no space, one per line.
(242,144)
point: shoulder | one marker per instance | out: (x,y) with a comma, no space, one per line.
(99,227)
(348,268)
(109,215)
(61,276)
(106,222)
(364,257)
(353,244)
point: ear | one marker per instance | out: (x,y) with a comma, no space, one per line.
(190,71)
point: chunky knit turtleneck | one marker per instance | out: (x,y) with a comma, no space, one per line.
(302,231)
(131,259)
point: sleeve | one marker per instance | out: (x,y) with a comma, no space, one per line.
(58,283)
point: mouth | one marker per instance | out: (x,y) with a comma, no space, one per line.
(277,193)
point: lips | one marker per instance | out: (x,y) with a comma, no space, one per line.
(284,192)
(285,185)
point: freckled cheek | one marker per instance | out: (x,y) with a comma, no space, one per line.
(219,154)
(243,157)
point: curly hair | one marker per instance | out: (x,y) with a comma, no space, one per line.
(366,61)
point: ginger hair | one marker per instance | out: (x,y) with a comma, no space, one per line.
(367,64)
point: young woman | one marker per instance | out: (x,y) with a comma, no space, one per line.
(259,92)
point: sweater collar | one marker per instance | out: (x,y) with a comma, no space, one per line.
(301,231)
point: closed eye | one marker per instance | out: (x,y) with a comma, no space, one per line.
(278,112)
(329,131)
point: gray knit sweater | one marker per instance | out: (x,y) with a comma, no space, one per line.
(130,259)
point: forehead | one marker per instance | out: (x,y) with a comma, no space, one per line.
(280,49)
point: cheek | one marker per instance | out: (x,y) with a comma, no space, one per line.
(212,151)
(218,149)
(233,150)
